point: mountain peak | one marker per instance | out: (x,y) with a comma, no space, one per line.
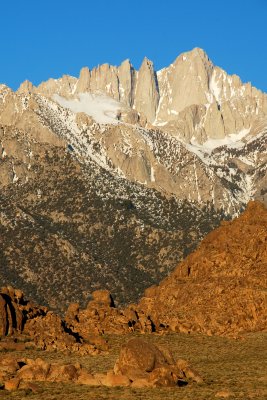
(26,87)
(197,51)
(147,94)
(147,63)
(191,97)
(126,62)
(196,55)
(83,84)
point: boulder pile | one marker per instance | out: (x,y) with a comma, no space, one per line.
(45,330)
(221,287)
(140,364)
(101,316)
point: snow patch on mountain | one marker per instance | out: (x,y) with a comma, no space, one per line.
(224,168)
(101,108)
(214,88)
(235,140)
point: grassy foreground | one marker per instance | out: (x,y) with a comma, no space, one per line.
(238,366)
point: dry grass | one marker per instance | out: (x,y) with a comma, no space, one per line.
(237,365)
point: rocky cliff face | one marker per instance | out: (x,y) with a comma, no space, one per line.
(183,84)
(192,98)
(227,172)
(189,130)
(147,92)
(200,101)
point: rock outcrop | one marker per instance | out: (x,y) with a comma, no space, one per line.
(218,289)
(145,364)
(11,316)
(147,92)
(140,364)
(102,317)
(172,97)
(221,287)
(43,329)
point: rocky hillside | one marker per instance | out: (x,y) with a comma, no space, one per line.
(221,287)
(69,228)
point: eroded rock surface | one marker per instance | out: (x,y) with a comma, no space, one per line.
(43,329)
(221,287)
(140,364)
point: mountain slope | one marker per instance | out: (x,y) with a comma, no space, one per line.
(189,130)
(221,287)
(71,228)
(219,171)
(109,179)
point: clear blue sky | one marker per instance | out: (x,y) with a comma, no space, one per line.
(43,38)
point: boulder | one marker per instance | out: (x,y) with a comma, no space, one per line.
(30,386)
(145,364)
(86,378)
(34,372)
(102,297)
(112,379)
(163,376)
(62,373)
(8,365)
(137,354)
(12,384)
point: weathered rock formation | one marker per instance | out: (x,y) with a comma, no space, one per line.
(221,287)
(140,364)
(101,316)
(218,289)
(145,364)
(11,317)
(44,329)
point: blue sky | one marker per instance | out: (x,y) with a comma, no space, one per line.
(43,38)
